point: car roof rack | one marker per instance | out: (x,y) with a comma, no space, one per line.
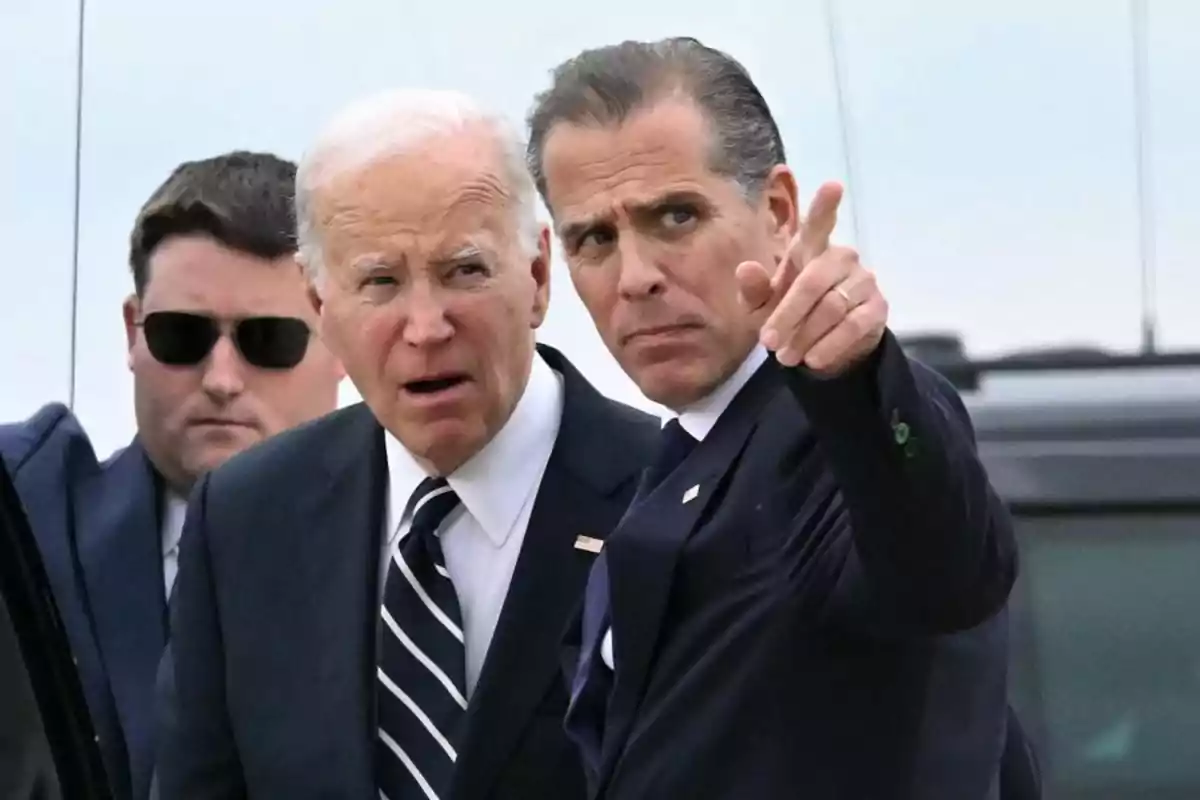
(944,353)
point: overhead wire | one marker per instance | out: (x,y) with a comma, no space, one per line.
(845,123)
(75,214)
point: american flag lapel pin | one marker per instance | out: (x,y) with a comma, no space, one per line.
(589,544)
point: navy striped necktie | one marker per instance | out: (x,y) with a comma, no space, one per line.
(421,675)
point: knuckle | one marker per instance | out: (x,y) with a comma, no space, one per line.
(832,304)
(843,253)
(806,292)
(870,319)
(859,324)
(818,360)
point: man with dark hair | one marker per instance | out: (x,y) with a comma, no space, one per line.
(223,354)
(807,597)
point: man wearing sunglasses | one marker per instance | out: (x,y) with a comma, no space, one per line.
(223,354)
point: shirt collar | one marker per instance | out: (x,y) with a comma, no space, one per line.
(495,483)
(174,513)
(699,418)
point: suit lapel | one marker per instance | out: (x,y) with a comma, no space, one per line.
(523,658)
(644,549)
(336,547)
(120,552)
(580,494)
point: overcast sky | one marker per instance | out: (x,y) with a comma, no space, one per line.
(993,148)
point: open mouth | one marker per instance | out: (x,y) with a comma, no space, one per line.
(434,385)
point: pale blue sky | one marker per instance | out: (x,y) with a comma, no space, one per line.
(993,147)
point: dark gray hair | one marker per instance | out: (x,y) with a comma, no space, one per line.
(604,86)
(242,199)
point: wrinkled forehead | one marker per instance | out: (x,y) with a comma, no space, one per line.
(614,169)
(425,203)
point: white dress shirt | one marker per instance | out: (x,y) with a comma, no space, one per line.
(481,539)
(174,512)
(698,420)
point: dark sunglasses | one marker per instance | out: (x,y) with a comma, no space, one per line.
(182,339)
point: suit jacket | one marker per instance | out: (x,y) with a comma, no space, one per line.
(47,741)
(97,527)
(811,605)
(1020,769)
(268,688)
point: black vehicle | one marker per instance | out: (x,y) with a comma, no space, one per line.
(47,745)
(1099,458)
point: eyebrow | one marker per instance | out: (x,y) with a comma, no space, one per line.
(366,264)
(573,230)
(645,208)
(461,254)
(369,262)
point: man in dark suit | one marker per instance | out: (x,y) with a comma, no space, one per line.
(220,340)
(372,605)
(807,598)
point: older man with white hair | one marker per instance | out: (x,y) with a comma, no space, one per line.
(371,606)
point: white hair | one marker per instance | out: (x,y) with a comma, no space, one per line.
(389,123)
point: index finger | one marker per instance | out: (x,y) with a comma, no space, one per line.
(787,269)
(821,220)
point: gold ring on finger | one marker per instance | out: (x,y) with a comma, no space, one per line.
(841,291)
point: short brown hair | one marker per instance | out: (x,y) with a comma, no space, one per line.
(242,199)
(605,85)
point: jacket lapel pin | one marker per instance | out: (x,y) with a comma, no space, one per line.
(589,544)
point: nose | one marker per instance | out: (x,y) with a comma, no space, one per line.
(640,276)
(426,324)
(224,371)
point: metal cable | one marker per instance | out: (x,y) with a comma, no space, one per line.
(844,124)
(76,210)
(1147,226)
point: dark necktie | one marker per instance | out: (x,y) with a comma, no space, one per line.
(673,447)
(592,685)
(421,673)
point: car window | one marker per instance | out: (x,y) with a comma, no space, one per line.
(26,764)
(1106,652)
(47,744)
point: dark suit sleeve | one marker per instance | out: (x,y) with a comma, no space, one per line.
(933,546)
(21,442)
(197,757)
(1020,772)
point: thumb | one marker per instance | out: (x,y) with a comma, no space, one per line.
(754,285)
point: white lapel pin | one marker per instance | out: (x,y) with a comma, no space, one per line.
(691,493)
(589,544)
